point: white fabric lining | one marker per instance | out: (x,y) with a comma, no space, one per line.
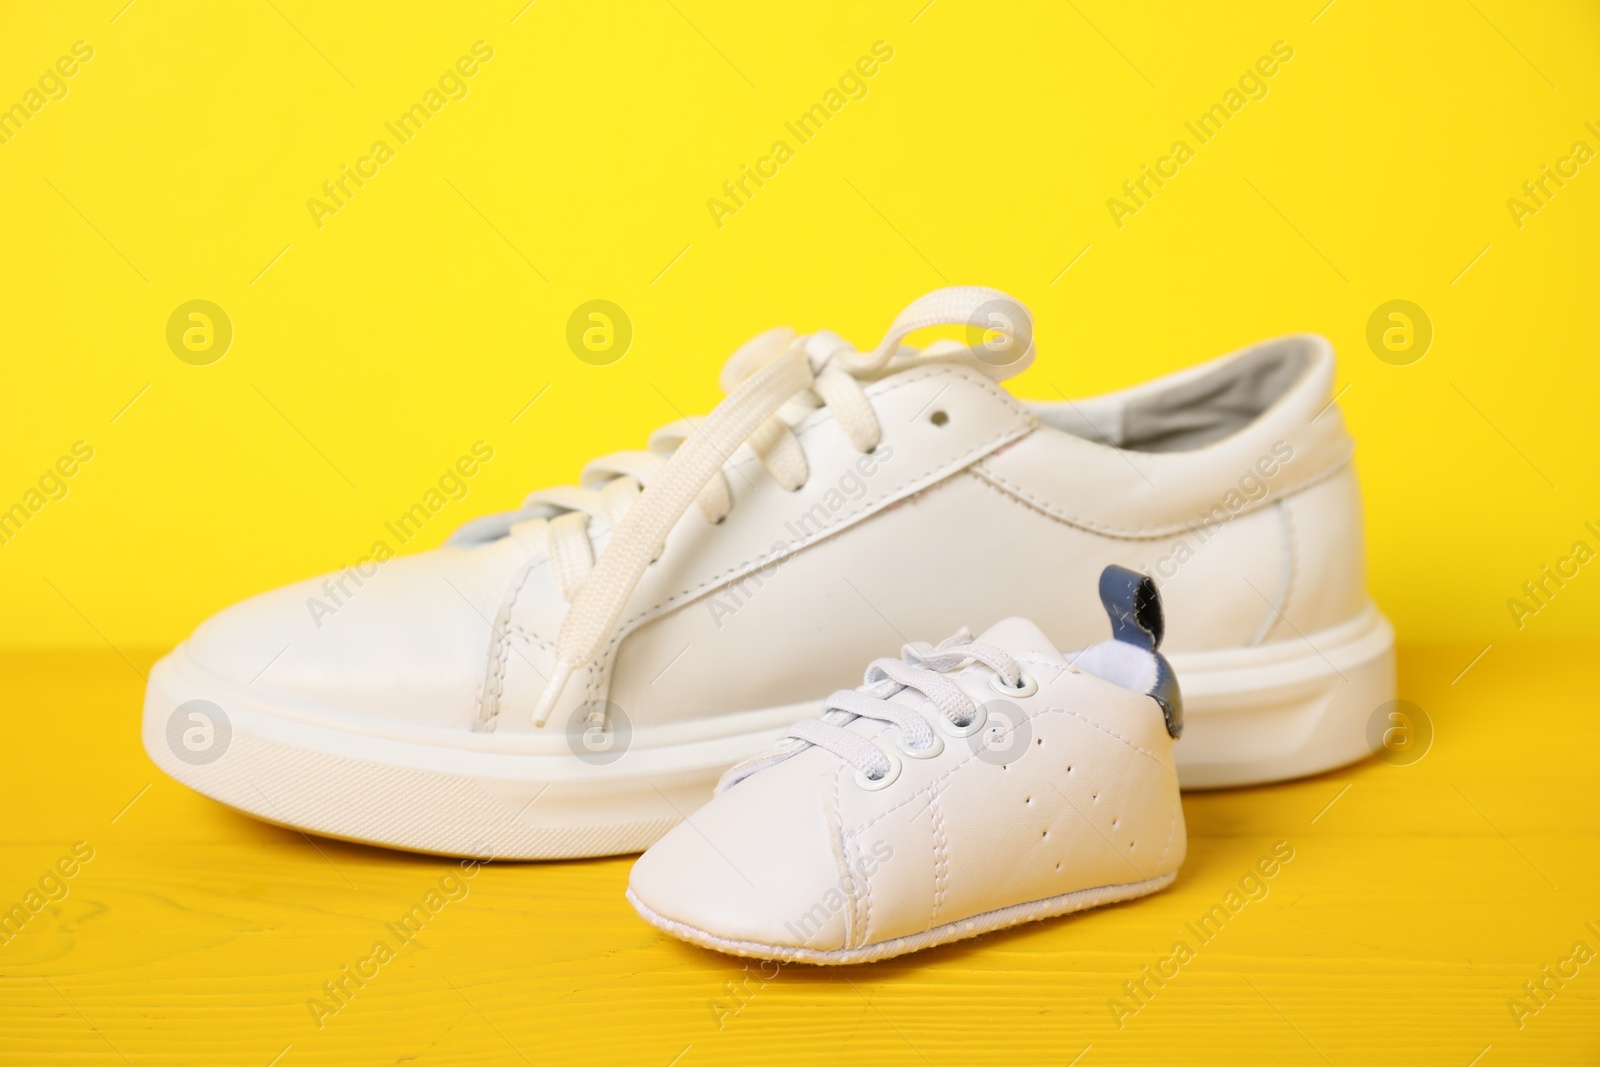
(1119,663)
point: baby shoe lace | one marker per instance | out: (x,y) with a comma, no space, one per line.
(921,667)
(644,494)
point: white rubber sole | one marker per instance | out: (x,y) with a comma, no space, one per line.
(428,789)
(1251,715)
(988,922)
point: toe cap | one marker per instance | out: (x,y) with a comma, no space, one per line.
(405,642)
(755,867)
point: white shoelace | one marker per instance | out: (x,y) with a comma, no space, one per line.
(921,667)
(776,379)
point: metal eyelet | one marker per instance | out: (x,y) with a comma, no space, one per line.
(980,715)
(888,778)
(1026,686)
(928,751)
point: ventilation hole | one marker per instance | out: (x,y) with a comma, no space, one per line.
(1130,845)
(1069,768)
(938,418)
(1038,740)
(1095,797)
(1058,866)
(1028,800)
(1114,823)
(1045,834)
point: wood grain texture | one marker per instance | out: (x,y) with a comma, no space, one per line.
(1418,901)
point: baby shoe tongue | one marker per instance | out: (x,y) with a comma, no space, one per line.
(1018,636)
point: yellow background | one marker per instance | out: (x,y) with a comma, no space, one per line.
(408,326)
(430,310)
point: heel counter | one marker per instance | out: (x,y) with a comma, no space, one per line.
(1326,537)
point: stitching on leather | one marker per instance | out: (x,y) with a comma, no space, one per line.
(856,912)
(501,644)
(956,465)
(498,676)
(531,637)
(860,893)
(933,784)
(1041,664)
(1145,533)
(495,688)
(1107,730)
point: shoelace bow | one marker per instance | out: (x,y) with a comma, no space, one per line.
(642,495)
(921,667)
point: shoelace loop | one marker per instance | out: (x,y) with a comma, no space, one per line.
(921,667)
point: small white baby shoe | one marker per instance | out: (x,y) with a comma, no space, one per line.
(962,789)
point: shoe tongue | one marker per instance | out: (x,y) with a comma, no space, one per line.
(1018,635)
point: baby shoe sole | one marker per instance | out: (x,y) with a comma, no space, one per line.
(988,922)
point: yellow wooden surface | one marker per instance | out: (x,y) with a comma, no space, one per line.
(1419,900)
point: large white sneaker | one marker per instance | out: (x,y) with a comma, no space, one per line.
(570,679)
(961,789)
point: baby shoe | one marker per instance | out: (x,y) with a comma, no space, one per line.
(964,788)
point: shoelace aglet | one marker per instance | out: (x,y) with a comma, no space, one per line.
(552,692)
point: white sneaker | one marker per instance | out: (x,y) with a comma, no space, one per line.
(962,789)
(538,687)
